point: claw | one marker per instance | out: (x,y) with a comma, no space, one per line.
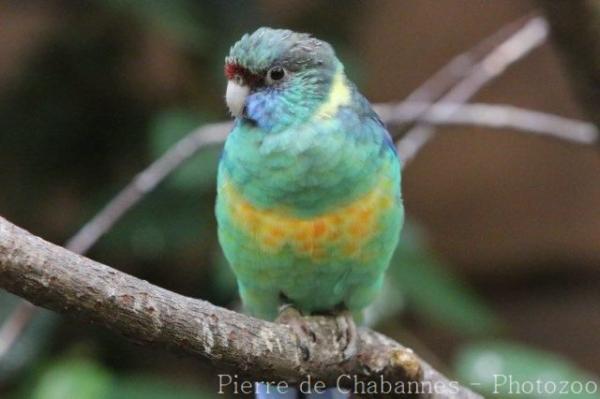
(290,316)
(346,325)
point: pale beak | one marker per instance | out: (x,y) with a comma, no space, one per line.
(235,96)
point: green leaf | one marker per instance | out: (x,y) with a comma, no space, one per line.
(433,291)
(169,127)
(504,369)
(73,378)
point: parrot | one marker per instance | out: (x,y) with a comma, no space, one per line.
(309,207)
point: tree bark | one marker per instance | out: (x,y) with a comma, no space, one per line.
(60,280)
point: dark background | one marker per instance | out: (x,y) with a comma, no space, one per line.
(502,255)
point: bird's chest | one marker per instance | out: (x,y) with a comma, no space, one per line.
(341,233)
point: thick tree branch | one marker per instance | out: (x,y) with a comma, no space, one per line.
(60,280)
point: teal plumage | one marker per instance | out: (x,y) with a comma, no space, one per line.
(308,206)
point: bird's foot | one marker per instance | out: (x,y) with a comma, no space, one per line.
(290,316)
(348,333)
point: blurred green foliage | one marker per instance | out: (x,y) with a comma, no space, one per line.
(83,378)
(505,369)
(434,292)
(72,378)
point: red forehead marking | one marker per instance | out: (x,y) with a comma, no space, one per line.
(232,69)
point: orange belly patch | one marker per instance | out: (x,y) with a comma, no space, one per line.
(345,231)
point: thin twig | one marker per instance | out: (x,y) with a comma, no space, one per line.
(491,116)
(513,49)
(14,326)
(459,66)
(145,182)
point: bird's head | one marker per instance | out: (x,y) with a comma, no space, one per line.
(277,77)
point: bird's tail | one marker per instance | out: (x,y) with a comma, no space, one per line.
(266,391)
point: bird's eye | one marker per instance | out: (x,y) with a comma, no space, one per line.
(275,74)
(238,79)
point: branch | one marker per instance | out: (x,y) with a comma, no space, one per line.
(60,280)
(509,51)
(459,67)
(14,326)
(491,116)
(146,181)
